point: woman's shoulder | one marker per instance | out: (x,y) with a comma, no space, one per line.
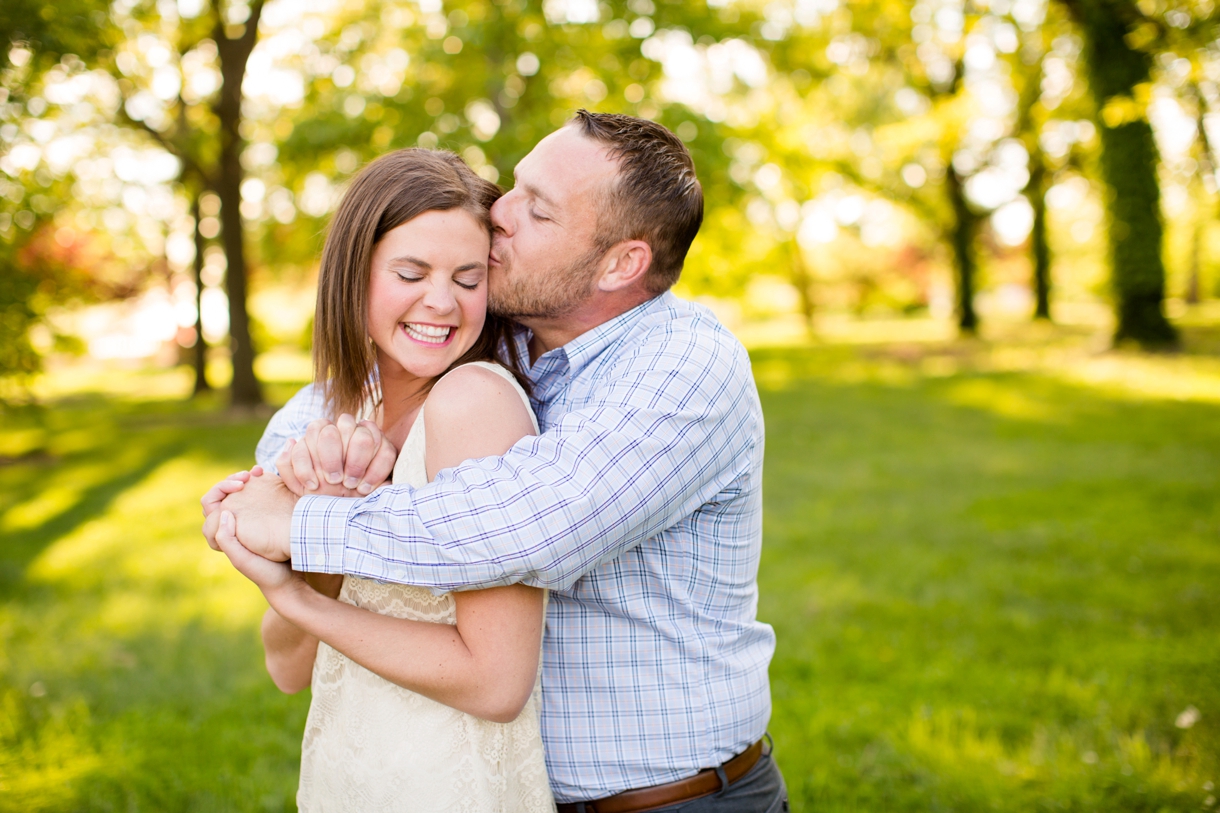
(479,369)
(477,391)
(474,379)
(471,413)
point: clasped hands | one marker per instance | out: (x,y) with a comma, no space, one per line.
(341,458)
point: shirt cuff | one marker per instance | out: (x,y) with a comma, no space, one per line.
(319,533)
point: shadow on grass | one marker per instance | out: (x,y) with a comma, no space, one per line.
(21,547)
(89,450)
(130,671)
(1201,339)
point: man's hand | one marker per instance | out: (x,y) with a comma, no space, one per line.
(263,513)
(345,458)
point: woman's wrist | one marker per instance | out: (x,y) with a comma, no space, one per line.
(292,600)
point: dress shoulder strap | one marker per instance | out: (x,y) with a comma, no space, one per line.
(503,372)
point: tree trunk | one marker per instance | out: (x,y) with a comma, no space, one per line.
(962,232)
(1206,210)
(803,284)
(201,345)
(1196,261)
(1030,74)
(234,52)
(1128,168)
(1038,246)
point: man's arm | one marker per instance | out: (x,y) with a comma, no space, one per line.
(663,435)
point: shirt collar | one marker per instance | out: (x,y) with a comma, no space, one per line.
(586,347)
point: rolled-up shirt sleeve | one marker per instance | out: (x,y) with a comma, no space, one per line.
(662,432)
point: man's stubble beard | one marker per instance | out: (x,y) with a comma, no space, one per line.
(544,295)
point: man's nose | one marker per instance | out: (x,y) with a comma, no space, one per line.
(500,215)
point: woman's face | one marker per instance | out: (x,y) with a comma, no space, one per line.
(428,292)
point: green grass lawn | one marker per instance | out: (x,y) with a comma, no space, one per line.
(993,572)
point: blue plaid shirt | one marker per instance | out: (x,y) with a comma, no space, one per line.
(639,506)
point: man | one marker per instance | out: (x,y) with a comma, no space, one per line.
(639,505)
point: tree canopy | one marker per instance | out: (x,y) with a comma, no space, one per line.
(863,156)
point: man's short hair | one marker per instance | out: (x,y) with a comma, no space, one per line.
(656,197)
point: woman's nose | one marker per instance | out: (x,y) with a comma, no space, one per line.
(440,298)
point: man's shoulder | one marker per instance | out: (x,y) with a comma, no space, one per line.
(309,402)
(675,350)
(675,325)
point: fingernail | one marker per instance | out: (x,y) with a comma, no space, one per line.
(312,485)
(226,521)
(365,488)
(351,482)
(334,478)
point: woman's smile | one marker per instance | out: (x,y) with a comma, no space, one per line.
(434,335)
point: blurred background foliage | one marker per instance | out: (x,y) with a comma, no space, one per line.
(1016,158)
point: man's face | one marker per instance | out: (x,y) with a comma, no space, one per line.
(543,257)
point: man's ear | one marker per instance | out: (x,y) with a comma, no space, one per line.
(624,265)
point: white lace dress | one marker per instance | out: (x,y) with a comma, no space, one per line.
(372,746)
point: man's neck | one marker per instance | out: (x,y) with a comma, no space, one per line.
(553,332)
(548,334)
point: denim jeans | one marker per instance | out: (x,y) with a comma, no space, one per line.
(762,790)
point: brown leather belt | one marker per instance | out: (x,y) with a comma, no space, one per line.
(704,783)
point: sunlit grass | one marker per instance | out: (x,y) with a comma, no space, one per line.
(992,566)
(994,589)
(130,673)
(1080,354)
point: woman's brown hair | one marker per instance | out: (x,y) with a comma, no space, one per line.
(390,191)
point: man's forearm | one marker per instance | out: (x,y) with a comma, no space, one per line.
(504,520)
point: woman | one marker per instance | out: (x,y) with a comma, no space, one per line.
(420,702)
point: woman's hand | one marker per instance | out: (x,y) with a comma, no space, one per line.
(275,579)
(344,458)
(231,484)
(290,650)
